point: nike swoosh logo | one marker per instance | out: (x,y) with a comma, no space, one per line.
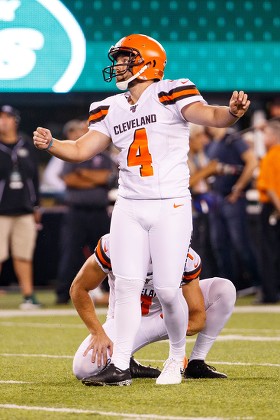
(177,205)
(105,248)
(196,265)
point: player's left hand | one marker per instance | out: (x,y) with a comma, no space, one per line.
(239,103)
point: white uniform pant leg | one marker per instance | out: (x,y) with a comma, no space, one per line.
(83,367)
(169,241)
(152,329)
(130,255)
(219,297)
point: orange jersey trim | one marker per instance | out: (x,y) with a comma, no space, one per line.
(191,275)
(98,114)
(102,257)
(174,95)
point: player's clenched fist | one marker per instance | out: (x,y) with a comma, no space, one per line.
(42,138)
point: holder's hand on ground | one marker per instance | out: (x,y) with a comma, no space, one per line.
(239,103)
(42,138)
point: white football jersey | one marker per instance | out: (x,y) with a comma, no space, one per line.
(149,301)
(152,137)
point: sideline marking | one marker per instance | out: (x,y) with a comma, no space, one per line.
(110,413)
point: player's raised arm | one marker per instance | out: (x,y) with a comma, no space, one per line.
(87,146)
(217,116)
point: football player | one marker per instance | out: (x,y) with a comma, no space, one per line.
(152,218)
(210,304)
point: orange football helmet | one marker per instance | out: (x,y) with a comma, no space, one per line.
(147,59)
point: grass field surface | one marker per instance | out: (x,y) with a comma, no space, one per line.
(36,380)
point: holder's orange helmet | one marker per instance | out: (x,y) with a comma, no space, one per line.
(147,58)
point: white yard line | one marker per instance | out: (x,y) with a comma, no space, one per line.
(48,356)
(15,382)
(211,362)
(40,325)
(274,309)
(110,413)
(82,326)
(10,313)
(54,356)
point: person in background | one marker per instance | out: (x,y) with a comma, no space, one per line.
(86,219)
(228,219)
(202,198)
(273,108)
(19,201)
(268,185)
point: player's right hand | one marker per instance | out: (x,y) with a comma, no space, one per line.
(42,138)
(101,347)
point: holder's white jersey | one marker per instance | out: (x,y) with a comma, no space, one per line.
(152,137)
(149,301)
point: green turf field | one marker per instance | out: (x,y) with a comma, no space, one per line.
(36,380)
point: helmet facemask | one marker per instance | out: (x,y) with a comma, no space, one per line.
(134,60)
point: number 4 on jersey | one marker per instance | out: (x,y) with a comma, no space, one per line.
(138,153)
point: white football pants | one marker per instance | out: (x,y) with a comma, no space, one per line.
(144,230)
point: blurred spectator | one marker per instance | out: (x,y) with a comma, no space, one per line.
(18,202)
(274,108)
(202,198)
(87,218)
(268,185)
(228,219)
(52,183)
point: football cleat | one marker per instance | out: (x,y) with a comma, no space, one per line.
(140,371)
(198,369)
(110,375)
(171,373)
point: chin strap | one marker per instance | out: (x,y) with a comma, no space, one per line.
(124,85)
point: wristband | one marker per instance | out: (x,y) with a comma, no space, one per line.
(50,145)
(235,116)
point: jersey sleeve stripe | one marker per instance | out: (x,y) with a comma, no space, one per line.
(102,257)
(191,275)
(98,114)
(174,95)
